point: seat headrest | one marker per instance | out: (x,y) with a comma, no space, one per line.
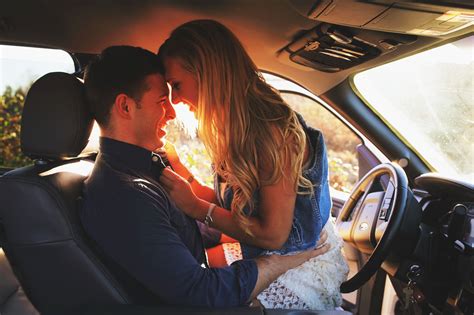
(56,122)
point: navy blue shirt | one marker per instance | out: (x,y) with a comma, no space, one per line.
(133,221)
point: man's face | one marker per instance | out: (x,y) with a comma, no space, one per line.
(152,113)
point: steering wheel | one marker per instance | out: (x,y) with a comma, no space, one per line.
(371,218)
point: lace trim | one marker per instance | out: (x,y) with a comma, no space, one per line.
(277,295)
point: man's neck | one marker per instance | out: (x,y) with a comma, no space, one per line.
(119,136)
(122,137)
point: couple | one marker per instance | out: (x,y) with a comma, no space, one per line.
(271,188)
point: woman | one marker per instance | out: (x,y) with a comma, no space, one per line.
(271,169)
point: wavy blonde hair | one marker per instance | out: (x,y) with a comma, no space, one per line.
(244,123)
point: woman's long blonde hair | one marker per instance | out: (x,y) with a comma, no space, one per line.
(244,123)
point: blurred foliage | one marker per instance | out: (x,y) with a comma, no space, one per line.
(11,105)
(340,140)
(191,151)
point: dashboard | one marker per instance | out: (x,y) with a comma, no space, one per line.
(444,254)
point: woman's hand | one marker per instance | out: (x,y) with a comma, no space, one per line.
(172,155)
(180,170)
(181,193)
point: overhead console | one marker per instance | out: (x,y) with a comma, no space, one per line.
(332,48)
(425,17)
(351,32)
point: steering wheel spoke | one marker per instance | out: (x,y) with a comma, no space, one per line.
(379,230)
(366,221)
(344,229)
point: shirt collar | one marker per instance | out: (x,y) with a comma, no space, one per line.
(130,156)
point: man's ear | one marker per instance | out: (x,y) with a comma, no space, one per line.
(122,106)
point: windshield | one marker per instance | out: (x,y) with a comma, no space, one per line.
(427,98)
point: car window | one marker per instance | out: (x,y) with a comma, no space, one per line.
(428,100)
(19,67)
(340,140)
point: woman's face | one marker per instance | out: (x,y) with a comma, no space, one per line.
(184,87)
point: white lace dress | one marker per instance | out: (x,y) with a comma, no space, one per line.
(312,286)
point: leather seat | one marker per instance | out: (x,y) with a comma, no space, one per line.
(13,300)
(39,227)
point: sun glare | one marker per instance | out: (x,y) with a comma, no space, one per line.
(81,168)
(94,136)
(186,119)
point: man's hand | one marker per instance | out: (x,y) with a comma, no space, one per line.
(271,267)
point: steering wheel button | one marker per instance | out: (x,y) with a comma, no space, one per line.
(389,191)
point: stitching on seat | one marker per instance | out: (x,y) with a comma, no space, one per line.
(10,244)
(105,272)
(11,295)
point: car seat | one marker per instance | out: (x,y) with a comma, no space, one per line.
(40,230)
(13,300)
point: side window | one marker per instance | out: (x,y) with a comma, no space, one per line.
(340,140)
(19,67)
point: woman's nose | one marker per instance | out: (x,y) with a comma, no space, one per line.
(170,112)
(175,99)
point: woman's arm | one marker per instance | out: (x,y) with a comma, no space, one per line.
(270,229)
(201,191)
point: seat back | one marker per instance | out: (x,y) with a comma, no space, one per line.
(40,229)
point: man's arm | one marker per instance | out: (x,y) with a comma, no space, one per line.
(154,245)
(271,267)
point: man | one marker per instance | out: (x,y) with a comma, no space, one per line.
(151,243)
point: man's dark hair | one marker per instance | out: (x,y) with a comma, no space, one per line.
(118,69)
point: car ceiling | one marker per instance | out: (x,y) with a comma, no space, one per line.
(264,27)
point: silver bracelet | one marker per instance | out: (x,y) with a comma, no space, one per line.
(208,219)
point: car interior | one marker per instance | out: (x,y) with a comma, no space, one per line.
(408,230)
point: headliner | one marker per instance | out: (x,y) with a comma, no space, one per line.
(88,26)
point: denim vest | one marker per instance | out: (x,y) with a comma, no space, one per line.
(311,210)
